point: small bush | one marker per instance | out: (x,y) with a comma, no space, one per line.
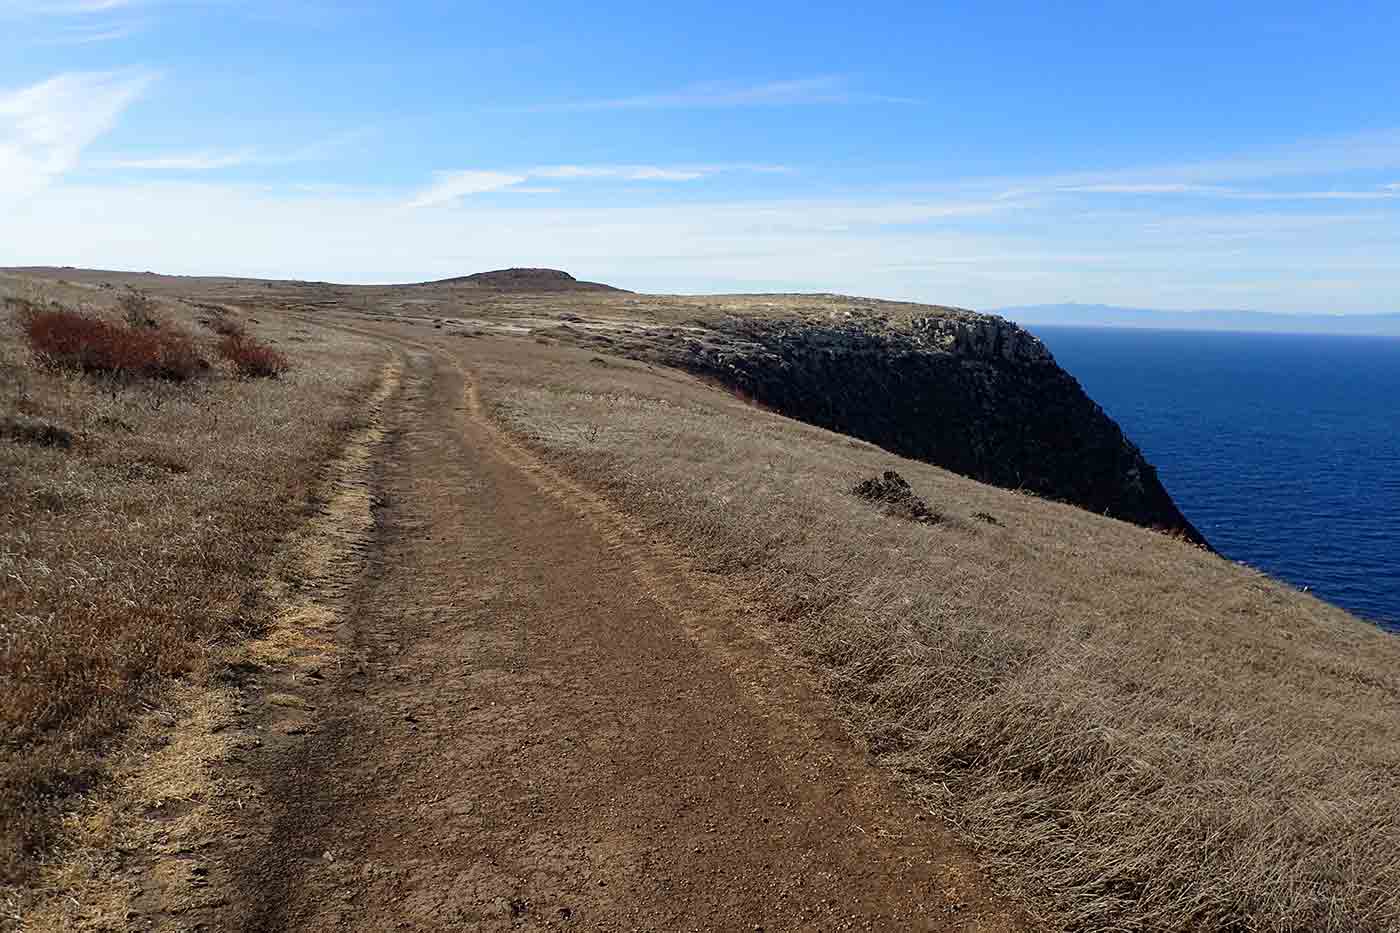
(177,358)
(220,321)
(894,493)
(138,309)
(252,359)
(225,326)
(71,340)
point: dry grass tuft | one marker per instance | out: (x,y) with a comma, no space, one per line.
(252,359)
(1136,734)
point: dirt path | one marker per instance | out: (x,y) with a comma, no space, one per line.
(544,722)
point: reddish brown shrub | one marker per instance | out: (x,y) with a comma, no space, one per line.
(176,356)
(72,340)
(251,358)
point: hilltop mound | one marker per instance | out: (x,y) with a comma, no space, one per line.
(526,280)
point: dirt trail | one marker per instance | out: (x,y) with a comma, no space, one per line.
(544,721)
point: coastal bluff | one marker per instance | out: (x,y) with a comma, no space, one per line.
(972,393)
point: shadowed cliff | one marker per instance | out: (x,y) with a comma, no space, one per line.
(972,393)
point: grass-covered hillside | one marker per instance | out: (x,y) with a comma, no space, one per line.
(1131,732)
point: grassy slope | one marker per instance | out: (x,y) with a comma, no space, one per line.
(132,557)
(1143,735)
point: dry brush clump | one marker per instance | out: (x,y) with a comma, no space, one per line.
(252,359)
(65,338)
(1136,734)
(138,309)
(894,494)
(136,526)
(225,326)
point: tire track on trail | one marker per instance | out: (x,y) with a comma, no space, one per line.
(656,564)
(151,850)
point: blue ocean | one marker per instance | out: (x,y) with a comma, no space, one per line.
(1284,450)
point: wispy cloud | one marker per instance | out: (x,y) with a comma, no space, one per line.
(45,127)
(1377,151)
(1140,188)
(628,172)
(89,34)
(73,22)
(1372,151)
(453,186)
(449,187)
(65,7)
(1386,193)
(1382,193)
(186,162)
(208,160)
(824,89)
(1297,172)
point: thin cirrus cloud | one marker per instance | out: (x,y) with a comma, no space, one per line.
(1260,175)
(75,22)
(209,160)
(1375,151)
(824,89)
(186,162)
(451,187)
(627,172)
(45,127)
(1140,188)
(88,35)
(1383,193)
(66,7)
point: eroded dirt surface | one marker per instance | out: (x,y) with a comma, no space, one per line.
(542,722)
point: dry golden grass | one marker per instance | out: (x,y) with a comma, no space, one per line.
(134,557)
(172,759)
(1141,735)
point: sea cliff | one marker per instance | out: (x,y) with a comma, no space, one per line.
(972,393)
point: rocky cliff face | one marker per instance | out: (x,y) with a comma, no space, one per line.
(972,393)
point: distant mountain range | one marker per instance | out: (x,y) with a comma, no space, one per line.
(1373,325)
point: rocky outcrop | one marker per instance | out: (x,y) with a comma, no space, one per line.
(983,336)
(972,393)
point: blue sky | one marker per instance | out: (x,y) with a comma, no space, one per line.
(1211,155)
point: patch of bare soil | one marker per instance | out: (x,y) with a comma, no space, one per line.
(540,718)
